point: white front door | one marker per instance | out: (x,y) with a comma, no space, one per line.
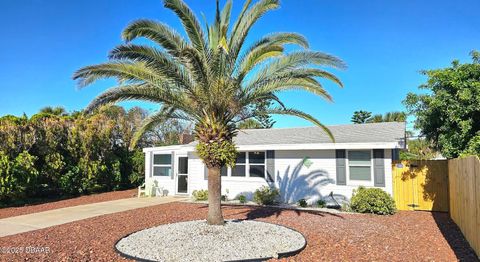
(182,174)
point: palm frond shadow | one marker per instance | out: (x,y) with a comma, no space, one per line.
(294,185)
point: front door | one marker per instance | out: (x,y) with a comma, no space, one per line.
(182,175)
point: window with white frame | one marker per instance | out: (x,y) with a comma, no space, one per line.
(162,164)
(240,168)
(256,162)
(247,164)
(360,165)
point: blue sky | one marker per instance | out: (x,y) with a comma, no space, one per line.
(384,43)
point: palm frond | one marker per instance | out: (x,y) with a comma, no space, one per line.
(246,20)
(225,17)
(306,73)
(157,32)
(123,71)
(256,57)
(190,23)
(245,7)
(158,118)
(303,115)
(296,60)
(282,39)
(134,92)
(197,66)
(284,83)
(164,64)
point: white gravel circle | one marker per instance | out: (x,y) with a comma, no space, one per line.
(197,241)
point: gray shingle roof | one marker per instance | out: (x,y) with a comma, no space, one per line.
(358,133)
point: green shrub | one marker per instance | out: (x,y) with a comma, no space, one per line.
(302,202)
(18,177)
(321,203)
(266,195)
(372,200)
(8,181)
(346,207)
(242,199)
(200,195)
(72,182)
(137,176)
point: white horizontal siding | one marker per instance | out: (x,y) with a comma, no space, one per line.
(298,181)
(292,177)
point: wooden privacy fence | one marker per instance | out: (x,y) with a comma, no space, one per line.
(441,185)
(464,180)
(421,185)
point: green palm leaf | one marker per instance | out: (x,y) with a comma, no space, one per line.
(157,32)
(303,115)
(189,21)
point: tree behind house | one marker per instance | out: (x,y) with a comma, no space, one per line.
(449,114)
(361,117)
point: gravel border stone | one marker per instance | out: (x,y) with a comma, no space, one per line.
(237,240)
(280,206)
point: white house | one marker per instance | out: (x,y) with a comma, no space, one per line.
(301,162)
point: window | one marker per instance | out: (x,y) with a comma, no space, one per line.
(183,165)
(360,165)
(248,164)
(162,165)
(256,161)
(240,165)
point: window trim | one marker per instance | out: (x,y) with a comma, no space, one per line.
(230,171)
(264,164)
(247,167)
(161,165)
(354,182)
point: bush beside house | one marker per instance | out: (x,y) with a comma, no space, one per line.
(372,200)
(200,195)
(266,195)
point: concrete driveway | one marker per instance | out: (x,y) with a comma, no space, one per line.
(20,224)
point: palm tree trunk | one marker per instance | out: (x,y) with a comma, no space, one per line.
(215,216)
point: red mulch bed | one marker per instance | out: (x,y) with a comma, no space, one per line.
(406,236)
(82,200)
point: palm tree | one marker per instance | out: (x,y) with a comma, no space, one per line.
(210,78)
(56,111)
(250,124)
(395,116)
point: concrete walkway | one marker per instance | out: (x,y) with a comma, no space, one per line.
(20,224)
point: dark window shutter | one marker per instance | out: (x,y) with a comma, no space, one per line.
(341,155)
(270,166)
(379,167)
(205,172)
(395,154)
(172,169)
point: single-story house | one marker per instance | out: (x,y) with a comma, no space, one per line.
(301,162)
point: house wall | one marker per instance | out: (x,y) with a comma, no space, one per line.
(295,179)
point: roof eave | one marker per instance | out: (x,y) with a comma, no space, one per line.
(311,146)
